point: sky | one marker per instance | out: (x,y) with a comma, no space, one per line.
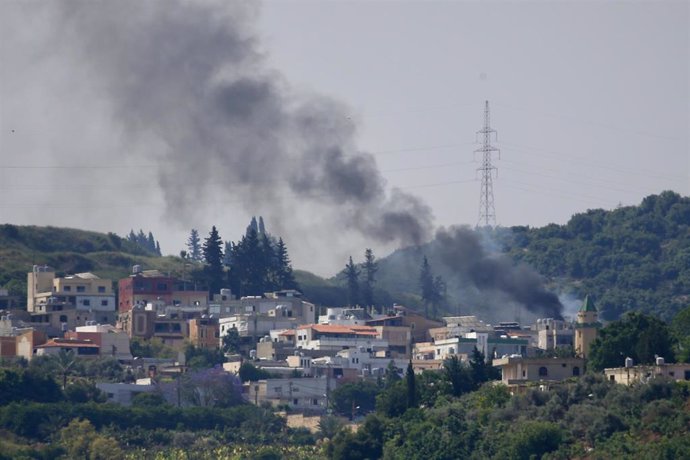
(347,125)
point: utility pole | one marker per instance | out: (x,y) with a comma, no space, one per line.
(487,213)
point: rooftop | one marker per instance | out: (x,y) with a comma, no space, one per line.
(588,305)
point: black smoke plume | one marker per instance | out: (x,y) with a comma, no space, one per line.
(460,249)
(189,80)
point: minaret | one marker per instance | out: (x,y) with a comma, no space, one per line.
(586,327)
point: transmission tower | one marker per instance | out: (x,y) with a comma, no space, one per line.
(487,213)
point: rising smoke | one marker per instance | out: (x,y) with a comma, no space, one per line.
(460,249)
(188,78)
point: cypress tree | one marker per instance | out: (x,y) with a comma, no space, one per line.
(352,276)
(411,386)
(370,268)
(194,246)
(213,255)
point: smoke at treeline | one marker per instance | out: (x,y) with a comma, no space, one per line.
(463,253)
(188,80)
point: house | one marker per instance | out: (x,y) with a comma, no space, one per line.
(124,393)
(334,338)
(147,286)
(630,374)
(406,317)
(111,341)
(304,394)
(82,348)
(518,371)
(554,333)
(84,291)
(204,332)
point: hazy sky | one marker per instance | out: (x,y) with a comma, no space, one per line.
(591,102)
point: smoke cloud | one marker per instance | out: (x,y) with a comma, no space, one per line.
(188,81)
(461,251)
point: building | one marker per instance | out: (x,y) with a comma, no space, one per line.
(204,332)
(81,347)
(345,316)
(586,327)
(419,325)
(84,291)
(630,374)
(7,301)
(554,333)
(334,338)
(488,345)
(519,371)
(112,342)
(124,393)
(304,394)
(149,286)
(286,304)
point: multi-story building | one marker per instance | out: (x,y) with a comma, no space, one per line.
(149,286)
(204,332)
(419,325)
(111,341)
(335,338)
(304,394)
(630,373)
(520,371)
(83,291)
(554,333)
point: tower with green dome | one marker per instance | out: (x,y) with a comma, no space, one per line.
(586,327)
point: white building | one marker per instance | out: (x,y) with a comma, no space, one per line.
(335,338)
(306,394)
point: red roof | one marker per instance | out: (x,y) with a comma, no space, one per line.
(65,343)
(340,329)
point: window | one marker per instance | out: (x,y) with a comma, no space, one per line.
(576,371)
(315,402)
(81,288)
(162,286)
(543,372)
(612,378)
(86,302)
(295,401)
(101,289)
(63,318)
(104,303)
(67,288)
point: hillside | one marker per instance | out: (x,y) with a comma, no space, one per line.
(70,251)
(630,258)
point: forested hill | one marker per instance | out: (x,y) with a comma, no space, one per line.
(630,258)
(70,251)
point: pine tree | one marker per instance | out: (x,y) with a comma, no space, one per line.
(426,283)
(352,277)
(252,226)
(213,255)
(151,242)
(158,248)
(194,246)
(132,237)
(411,386)
(284,275)
(262,227)
(370,268)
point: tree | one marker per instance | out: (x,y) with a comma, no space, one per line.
(232,341)
(432,288)
(458,376)
(194,246)
(411,386)
(349,399)
(80,440)
(480,371)
(213,255)
(370,267)
(352,277)
(638,336)
(65,363)
(285,278)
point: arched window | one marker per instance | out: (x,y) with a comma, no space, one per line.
(576,371)
(543,372)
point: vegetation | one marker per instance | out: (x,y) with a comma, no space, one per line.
(632,258)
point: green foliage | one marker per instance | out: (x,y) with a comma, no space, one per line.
(352,277)
(354,398)
(631,258)
(27,385)
(369,269)
(150,348)
(203,358)
(249,372)
(80,440)
(232,341)
(637,336)
(213,256)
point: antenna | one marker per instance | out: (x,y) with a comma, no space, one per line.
(487,213)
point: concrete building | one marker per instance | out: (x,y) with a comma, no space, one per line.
(204,332)
(84,291)
(345,316)
(123,393)
(148,286)
(406,317)
(335,338)
(81,348)
(517,371)
(285,304)
(586,327)
(112,342)
(304,394)
(554,333)
(630,374)
(7,301)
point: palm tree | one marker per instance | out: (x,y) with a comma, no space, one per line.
(65,363)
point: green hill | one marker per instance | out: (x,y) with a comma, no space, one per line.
(630,258)
(70,251)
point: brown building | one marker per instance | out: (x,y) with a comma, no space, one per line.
(204,332)
(149,286)
(405,317)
